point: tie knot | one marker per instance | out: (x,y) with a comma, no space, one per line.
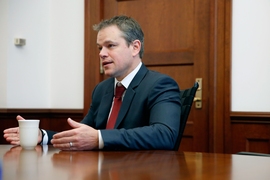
(119,90)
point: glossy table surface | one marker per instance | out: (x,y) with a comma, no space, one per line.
(46,162)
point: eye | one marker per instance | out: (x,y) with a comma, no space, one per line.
(110,45)
(99,48)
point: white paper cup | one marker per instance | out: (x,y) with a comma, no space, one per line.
(28,133)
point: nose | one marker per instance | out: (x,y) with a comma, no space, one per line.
(103,53)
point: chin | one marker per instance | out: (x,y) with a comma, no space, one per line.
(107,73)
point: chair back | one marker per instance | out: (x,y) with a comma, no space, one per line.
(186,97)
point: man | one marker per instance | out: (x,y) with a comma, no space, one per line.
(149,117)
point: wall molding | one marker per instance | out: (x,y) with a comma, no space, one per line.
(250,117)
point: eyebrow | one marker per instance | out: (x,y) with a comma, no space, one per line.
(106,42)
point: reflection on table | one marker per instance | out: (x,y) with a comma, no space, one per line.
(46,162)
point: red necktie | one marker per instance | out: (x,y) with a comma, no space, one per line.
(119,90)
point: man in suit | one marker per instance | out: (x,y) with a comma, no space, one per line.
(149,117)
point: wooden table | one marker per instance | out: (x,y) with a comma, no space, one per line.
(53,164)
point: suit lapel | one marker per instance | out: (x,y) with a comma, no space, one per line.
(105,106)
(130,93)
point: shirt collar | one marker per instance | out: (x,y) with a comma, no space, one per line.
(127,80)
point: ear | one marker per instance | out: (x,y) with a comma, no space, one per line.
(136,47)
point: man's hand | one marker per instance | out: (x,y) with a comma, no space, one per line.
(81,137)
(12,134)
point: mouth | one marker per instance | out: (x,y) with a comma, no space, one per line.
(104,63)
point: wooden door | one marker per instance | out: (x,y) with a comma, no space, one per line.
(176,43)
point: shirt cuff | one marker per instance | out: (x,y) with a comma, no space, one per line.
(45,138)
(100,141)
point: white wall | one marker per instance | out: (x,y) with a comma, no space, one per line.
(251,56)
(3,52)
(48,71)
(67,53)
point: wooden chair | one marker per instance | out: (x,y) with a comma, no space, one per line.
(187,97)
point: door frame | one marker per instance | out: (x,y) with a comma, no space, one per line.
(220,76)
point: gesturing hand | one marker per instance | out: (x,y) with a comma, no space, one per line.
(12,134)
(81,137)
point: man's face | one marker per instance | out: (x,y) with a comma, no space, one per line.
(116,56)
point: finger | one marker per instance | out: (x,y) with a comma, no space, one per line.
(14,140)
(19,117)
(62,140)
(73,123)
(11,130)
(64,134)
(11,137)
(68,133)
(67,145)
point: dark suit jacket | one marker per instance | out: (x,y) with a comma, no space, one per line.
(149,117)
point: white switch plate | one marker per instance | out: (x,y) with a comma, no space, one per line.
(19,42)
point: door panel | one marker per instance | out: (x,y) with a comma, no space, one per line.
(177,44)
